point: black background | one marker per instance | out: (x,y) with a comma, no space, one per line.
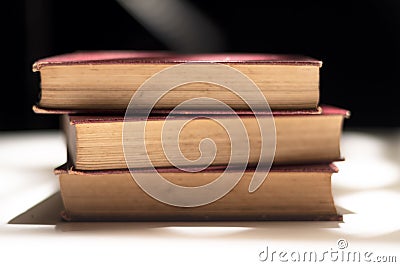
(358,42)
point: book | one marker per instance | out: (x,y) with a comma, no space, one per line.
(93,91)
(288,193)
(95,142)
(106,80)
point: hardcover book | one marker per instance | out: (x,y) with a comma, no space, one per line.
(95,142)
(106,80)
(288,193)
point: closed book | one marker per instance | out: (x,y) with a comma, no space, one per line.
(96,142)
(107,80)
(287,193)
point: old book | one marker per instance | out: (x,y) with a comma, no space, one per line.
(95,142)
(106,80)
(288,193)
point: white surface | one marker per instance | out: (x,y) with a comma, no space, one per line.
(368,185)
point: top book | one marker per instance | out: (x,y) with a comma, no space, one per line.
(106,80)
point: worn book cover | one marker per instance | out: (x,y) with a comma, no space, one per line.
(107,80)
(300,192)
(96,142)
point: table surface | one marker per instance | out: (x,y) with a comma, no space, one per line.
(366,189)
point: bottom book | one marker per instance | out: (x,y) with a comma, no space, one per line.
(287,193)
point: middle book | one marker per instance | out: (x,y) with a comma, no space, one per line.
(302,137)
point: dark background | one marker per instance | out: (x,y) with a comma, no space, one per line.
(358,42)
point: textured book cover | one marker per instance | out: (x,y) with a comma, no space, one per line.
(107,80)
(158,57)
(301,193)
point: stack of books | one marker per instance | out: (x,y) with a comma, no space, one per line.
(121,161)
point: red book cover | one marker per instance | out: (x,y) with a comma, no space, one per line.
(157,57)
(330,168)
(323,110)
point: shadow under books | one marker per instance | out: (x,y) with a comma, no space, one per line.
(47,212)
